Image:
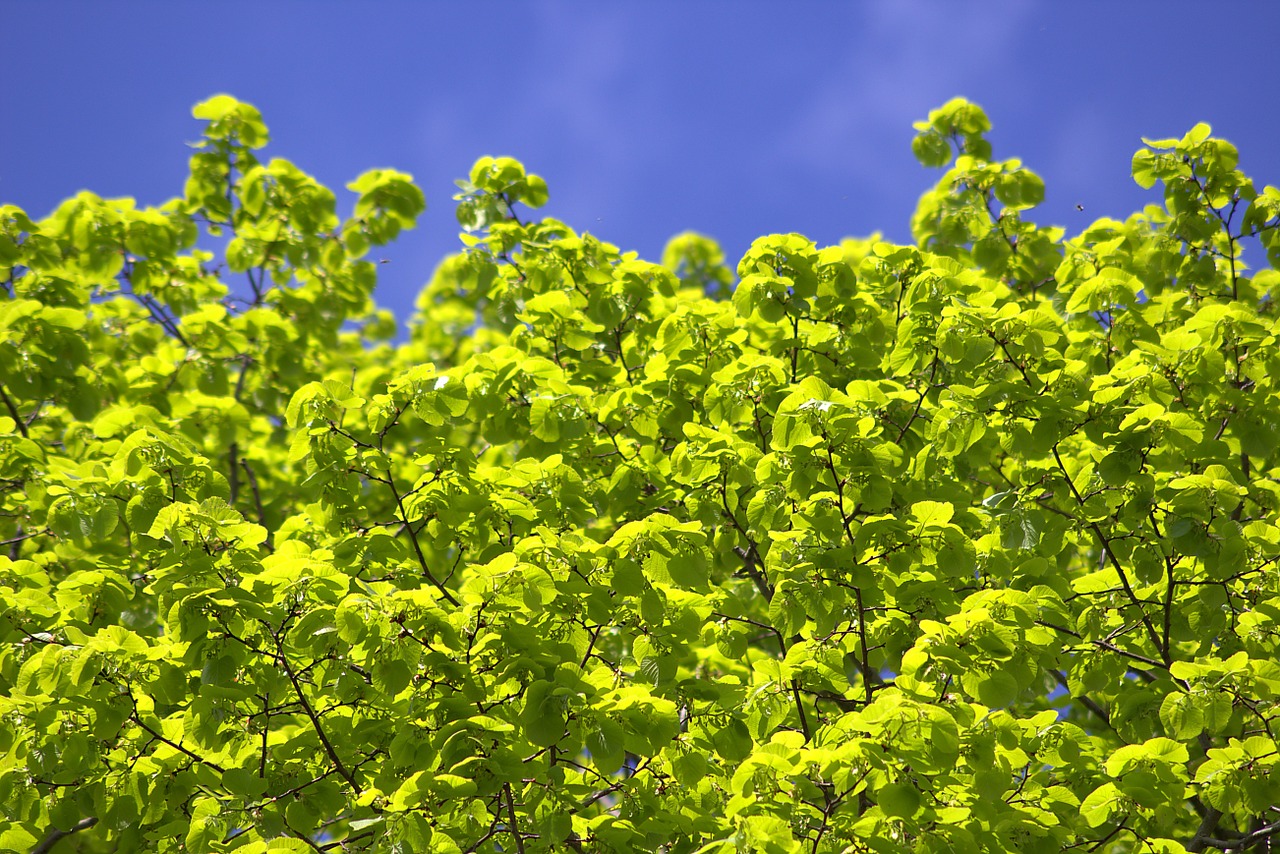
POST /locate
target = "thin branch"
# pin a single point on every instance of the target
(1115, 563)
(924, 392)
(1127, 654)
(511, 817)
(751, 562)
(845, 516)
(54, 836)
(167, 323)
(13, 411)
(413, 539)
(1247, 841)
(24, 535)
(175, 745)
(315, 722)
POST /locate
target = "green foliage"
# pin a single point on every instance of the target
(969, 545)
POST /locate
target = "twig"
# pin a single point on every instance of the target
(176, 745)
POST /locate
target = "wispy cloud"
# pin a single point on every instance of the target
(586, 94)
(907, 57)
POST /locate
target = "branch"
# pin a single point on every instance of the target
(413, 538)
(233, 465)
(22, 536)
(234, 450)
(865, 664)
(1207, 825)
(315, 722)
(857, 590)
(511, 817)
(804, 718)
(1086, 701)
(751, 561)
(137, 719)
(55, 835)
(1115, 563)
(933, 370)
(257, 500)
(1247, 841)
(13, 411)
(163, 319)
(1127, 654)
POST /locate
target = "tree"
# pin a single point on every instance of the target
(967, 545)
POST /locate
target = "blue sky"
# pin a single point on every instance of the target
(735, 119)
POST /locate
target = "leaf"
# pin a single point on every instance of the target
(732, 741)
(412, 792)
(217, 107)
(786, 613)
(17, 838)
(391, 676)
(931, 149)
(1143, 169)
(931, 514)
(288, 843)
(604, 743)
(543, 716)
(1181, 716)
(995, 690)
(899, 800)
(604, 554)
(1101, 804)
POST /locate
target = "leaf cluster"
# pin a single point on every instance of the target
(964, 545)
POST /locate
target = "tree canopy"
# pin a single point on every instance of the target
(968, 545)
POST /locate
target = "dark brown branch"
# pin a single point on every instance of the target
(751, 561)
(315, 722)
(1086, 701)
(257, 500)
(413, 539)
(511, 817)
(1207, 825)
(234, 450)
(1115, 563)
(54, 836)
(13, 411)
(804, 718)
(176, 745)
(233, 464)
(868, 680)
(1247, 841)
